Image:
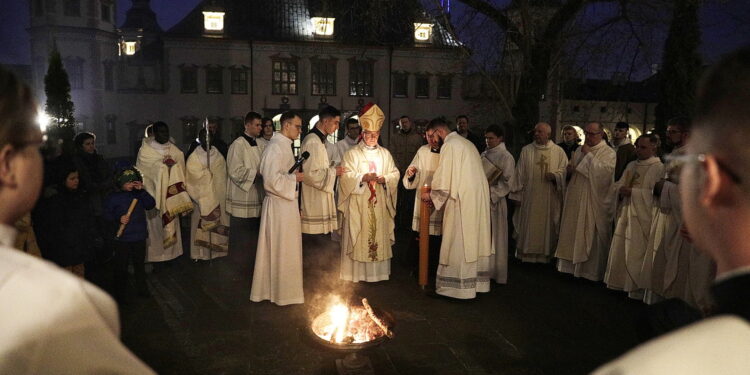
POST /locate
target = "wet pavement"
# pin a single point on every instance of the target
(199, 320)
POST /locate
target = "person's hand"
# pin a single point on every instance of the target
(411, 171)
(341, 170)
(427, 199)
(585, 149)
(299, 176)
(169, 161)
(380, 180)
(367, 177)
(549, 176)
(626, 191)
(124, 219)
(138, 185)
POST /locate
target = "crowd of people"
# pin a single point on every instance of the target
(655, 225)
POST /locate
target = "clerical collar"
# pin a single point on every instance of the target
(250, 140)
(369, 147)
(500, 146)
(7, 235)
(434, 151)
(320, 134)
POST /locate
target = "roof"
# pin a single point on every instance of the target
(140, 16)
(357, 21)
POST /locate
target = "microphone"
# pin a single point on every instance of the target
(299, 161)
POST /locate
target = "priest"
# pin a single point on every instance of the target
(278, 260)
(539, 187)
(163, 168)
(586, 225)
(636, 209)
(460, 187)
(206, 184)
(367, 200)
(499, 168)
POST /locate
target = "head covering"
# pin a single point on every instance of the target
(371, 118)
(129, 174)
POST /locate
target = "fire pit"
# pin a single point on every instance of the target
(350, 329)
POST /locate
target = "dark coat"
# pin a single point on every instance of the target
(95, 178)
(732, 296)
(569, 149)
(625, 154)
(65, 227)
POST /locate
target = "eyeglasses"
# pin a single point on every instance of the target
(676, 162)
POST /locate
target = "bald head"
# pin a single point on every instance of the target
(542, 133)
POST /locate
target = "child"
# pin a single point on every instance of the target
(132, 243)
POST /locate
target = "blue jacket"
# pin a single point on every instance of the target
(117, 204)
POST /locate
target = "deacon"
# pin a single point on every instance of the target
(318, 204)
(163, 167)
(636, 209)
(367, 199)
(499, 168)
(244, 184)
(278, 261)
(586, 225)
(206, 183)
(460, 188)
(539, 189)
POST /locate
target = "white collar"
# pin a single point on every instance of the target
(8, 235)
(500, 147)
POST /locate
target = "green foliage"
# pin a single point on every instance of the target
(59, 105)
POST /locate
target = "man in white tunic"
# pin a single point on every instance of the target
(586, 225)
(635, 211)
(367, 200)
(499, 167)
(353, 131)
(539, 188)
(318, 203)
(163, 168)
(278, 260)
(460, 187)
(244, 184)
(206, 183)
(267, 130)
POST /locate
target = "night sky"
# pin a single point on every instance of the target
(725, 27)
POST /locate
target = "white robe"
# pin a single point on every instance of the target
(244, 183)
(278, 261)
(586, 225)
(318, 203)
(208, 191)
(633, 225)
(367, 233)
(54, 322)
(340, 148)
(537, 219)
(426, 162)
(502, 160)
(155, 174)
(460, 187)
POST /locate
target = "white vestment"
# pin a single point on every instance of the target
(426, 162)
(340, 148)
(368, 210)
(537, 219)
(208, 189)
(460, 188)
(278, 259)
(244, 183)
(167, 186)
(713, 346)
(633, 225)
(502, 162)
(54, 322)
(586, 225)
(318, 203)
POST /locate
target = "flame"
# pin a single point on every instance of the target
(345, 324)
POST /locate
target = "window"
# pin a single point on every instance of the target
(72, 8)
(106, 13)
(74, 66)
(189, 129)
(400, 85)
(422, 86)
(111, 130)
(214, 80)
(360, 78)
(39, 8)
(109, 77)
(445, 87)
(324, 77)
(188, 80)
(284, 77)
(239, 80)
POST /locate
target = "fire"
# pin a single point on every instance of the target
(342, 324)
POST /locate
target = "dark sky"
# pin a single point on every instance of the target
(725, 24)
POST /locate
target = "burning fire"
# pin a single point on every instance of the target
(342, 324)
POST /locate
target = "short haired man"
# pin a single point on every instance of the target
(624, 149)
(462, 128)
(570, 141)
(404, 145)
(216, 141)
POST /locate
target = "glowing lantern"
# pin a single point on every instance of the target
(213, 21)
(423, 32)
(322, 26)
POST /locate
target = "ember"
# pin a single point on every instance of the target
(342, 324)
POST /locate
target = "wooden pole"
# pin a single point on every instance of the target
(130, 211)
(424, 238)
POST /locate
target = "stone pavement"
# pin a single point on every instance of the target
(200, 320)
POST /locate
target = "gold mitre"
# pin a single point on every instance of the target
(371, 118)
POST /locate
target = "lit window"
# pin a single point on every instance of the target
(322, 26)
(213, 21)
(284, 77)
(324, 77)
(423, 32)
